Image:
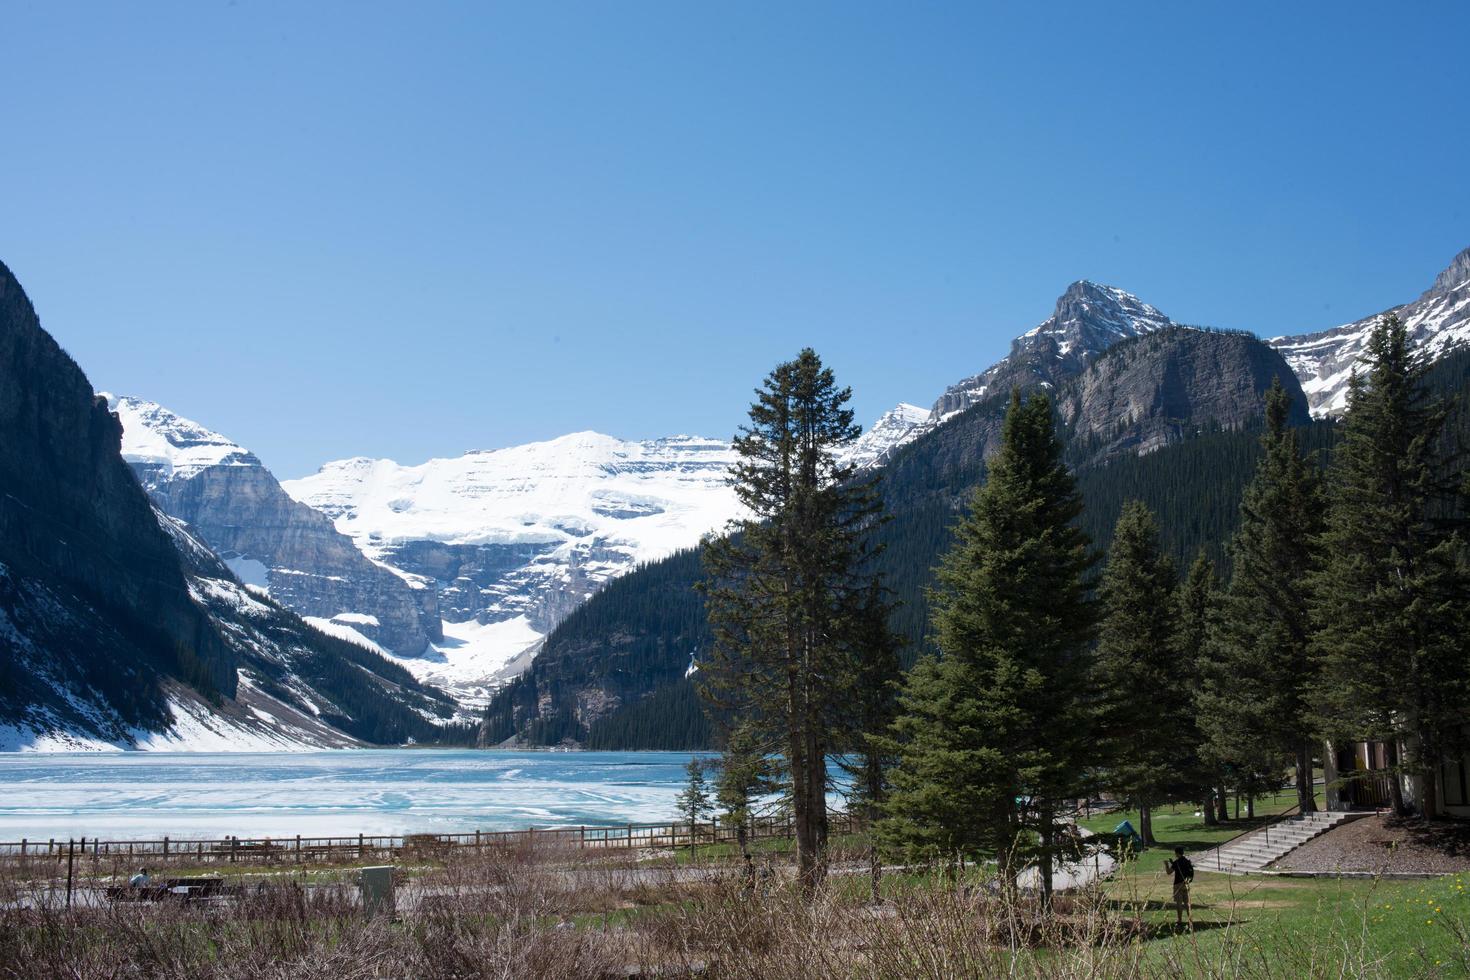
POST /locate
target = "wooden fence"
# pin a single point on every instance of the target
(297, 850)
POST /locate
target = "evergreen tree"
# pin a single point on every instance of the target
(693, 800)
(746, 774)
(873, 708)
(1256, 704)
(992, 734)
(1390, 599)
(1196, 603)
(1143, 723)
(785, 587)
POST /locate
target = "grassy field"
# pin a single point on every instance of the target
(1305, 927)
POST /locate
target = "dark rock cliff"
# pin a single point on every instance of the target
(74, 521)
(1155, 390)
(113, 619)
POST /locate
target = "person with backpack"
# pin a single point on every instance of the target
(1183, 871)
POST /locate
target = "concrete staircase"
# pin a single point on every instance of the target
(1256, 850)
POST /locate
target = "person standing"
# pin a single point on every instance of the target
(1183, 870)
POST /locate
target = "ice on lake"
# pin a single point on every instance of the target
(322, 794)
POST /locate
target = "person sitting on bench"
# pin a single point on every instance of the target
(140, 880)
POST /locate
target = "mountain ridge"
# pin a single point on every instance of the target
(1437, 322)
(117, 627)
(227, 496)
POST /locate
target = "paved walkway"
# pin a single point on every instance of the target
(1069, 877)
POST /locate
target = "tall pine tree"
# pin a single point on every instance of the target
(1144, 708)
(992, 736)
(873, 706)
(1257, 704)
(1196, 605)
(1390, 599)
(785, 588)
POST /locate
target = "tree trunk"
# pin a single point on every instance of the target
(1048, 839)
(1306, 788)
(1222, 799)
(1250, 806)
(1395, 780)
(1428, 767)
(1146, 824)
(873, 776)
(817, 805)
(800, 812)
(1208, 808)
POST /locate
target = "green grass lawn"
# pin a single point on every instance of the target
(1278, 926)
(1301, 926)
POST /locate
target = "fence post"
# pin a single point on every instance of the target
(359, 847)
(69, 849)
(165, 846)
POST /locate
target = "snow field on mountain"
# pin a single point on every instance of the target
(646, 498)
(178, 446)
(195, 729)
(468, 663)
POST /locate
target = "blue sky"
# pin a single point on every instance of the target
(411, 230)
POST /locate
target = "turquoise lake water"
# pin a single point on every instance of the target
(343, 793)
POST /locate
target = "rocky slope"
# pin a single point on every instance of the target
(1147, 393)
(223, 493)
(1438, 321)
(116, 627)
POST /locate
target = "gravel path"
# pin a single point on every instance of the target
(1384, 845)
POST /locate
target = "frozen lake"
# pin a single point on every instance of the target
(344, 793)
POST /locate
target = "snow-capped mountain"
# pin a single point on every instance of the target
(118, 627)
(894, 428)
(515, 539)
(1437, 321)
(1087, 320)
(227, 497)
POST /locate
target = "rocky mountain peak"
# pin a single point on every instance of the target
(1088, 319)
(162, 445)
(1091, 312)
(1456, 274)
(226, 496)
(894, 428)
